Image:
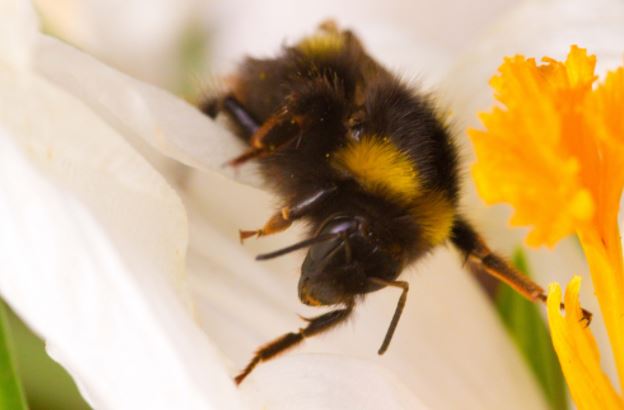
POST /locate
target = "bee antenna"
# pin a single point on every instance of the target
(299, 245)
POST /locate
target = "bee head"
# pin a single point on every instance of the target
(338, 268)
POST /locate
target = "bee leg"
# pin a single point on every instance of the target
(281, 220)
(315, 326)
(397, 312)
(240, 115)
(248, 127)
(479, 258)
(211, 107)
(243, 121)
(231, 107)
(276, 132)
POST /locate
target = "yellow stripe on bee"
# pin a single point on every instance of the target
(435, 215)
(379, 167)
(326, 42)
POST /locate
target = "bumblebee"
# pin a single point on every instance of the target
(366, 161)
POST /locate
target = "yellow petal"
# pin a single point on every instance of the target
(605, 177)
(578, 354)
(608, 282)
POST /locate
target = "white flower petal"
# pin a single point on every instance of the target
(18, 32)
(93, 255)
(141, 37)
(141, 111)
(327, 382)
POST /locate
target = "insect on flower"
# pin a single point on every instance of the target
(366, 161)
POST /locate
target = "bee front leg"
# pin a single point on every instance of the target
(315, 326)
(404, 286)
(282, 219)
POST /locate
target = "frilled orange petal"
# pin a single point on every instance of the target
(604, 116)
(578, 352)
(554, 150)
(522, 157)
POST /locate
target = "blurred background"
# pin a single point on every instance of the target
(178, 45)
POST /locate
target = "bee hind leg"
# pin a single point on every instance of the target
(480, 259)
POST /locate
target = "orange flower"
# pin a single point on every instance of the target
(554, 150)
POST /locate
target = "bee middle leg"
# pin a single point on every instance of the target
(263, 137)
(278, 131)
(282, 219)
(315, 326)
